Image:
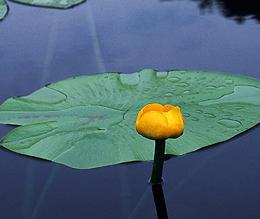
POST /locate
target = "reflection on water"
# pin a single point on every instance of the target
(159, 201)
(238, 10)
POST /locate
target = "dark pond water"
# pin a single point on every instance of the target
(38, 46)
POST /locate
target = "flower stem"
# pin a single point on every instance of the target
(158, 161)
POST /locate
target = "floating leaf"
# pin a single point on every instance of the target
(3, 9)
(89, 121)
(51, 3)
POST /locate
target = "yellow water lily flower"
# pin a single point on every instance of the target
(155, 121)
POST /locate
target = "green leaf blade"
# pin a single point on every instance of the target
(89, 121)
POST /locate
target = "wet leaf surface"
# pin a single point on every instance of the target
(89, 121)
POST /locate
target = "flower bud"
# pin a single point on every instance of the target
(156, 122)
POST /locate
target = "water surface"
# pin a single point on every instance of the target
(39, 46)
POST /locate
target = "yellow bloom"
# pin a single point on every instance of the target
(156, 122)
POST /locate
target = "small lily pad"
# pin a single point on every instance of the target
(51, 3)
(3, 9)
(89, 121)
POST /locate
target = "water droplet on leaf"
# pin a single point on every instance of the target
(186, 114)
(162, 74)
(168, 94)
(186, 92)
(194, 119)
(211, 87)
(229, 81)
(209, 115)
(230, 123)
(182, 84)
(173, 79)
(128, 79)
(199, 111)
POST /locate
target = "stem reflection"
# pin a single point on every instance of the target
(159, 201)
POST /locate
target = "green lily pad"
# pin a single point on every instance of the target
(3, 9)
(51, 3)
(89, 121)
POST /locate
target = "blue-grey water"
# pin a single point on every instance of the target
(39, 46)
